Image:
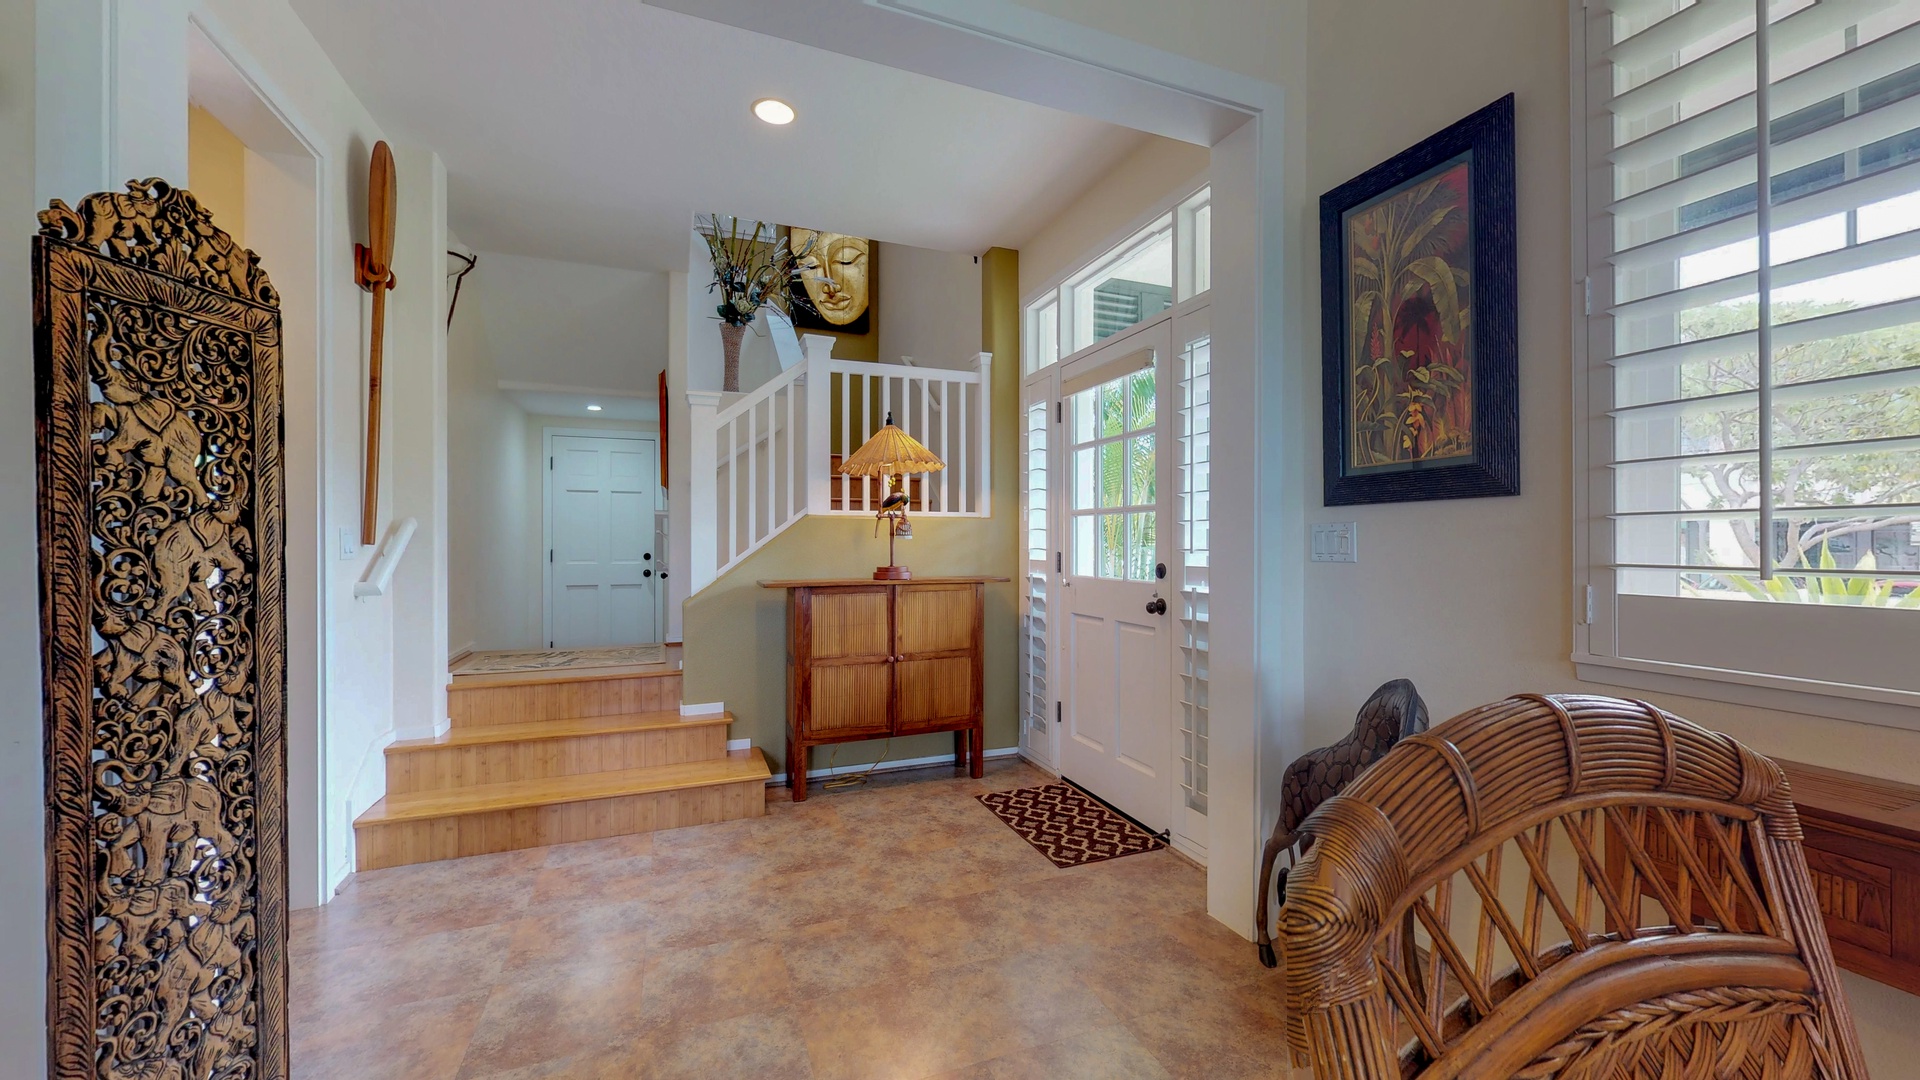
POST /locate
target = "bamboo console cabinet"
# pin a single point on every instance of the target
(869, 659)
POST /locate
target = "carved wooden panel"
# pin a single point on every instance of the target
(157, 364)
(1863, 857)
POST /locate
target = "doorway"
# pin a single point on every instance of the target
(601, 580)
(1117, 724)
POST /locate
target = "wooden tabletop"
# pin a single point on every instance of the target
(830, 583)
(1884, 807)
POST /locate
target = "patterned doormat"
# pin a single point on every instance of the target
(1067, 825)
(495, 663)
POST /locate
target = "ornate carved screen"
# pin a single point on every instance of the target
(157, 350)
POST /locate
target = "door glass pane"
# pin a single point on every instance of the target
(1114, 482)
(1113, 474)
(1113, 545)
(1141, 474)
(1083, 477)
(1113, 410)
(1140, 393)
(1140, 545)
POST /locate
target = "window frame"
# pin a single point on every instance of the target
(1179, 208)
(1597, 653)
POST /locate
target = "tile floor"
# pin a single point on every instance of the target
(896, 931)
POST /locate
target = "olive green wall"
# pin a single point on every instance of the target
(735, 631)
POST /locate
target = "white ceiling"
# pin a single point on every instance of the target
(592, 130)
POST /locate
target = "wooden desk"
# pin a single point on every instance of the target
(873, 659)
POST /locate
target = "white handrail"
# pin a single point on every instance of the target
(765, 459)
(380, 575)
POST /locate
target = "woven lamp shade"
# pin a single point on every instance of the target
(891, 452)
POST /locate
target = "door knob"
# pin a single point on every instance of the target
(646, 573)
(1156, 606)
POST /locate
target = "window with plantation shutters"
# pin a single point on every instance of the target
(1751, 336)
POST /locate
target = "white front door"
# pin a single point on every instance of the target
(1118, 733)
(601, 586)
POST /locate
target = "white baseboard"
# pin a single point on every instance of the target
(703, 708)
(460, 652)
(739, 744)
(1038, 764)
(778, 779)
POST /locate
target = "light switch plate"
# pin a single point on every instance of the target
(1336, 541)
(349, 544)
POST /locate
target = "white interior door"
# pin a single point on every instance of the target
(601, 584)
(1115, 645)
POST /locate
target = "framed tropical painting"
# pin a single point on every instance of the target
(1419, 306)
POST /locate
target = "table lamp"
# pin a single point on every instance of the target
(892, 453)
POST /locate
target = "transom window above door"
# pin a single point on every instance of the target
(1115, 487)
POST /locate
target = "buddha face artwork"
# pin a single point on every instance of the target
(835, 288)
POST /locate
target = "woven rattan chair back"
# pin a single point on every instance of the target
(1574, 888)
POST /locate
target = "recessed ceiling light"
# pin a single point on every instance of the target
(593, 408)
(773, 111)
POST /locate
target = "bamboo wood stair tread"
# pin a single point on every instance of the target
(574, 727)
(497, 680)
(737, 767)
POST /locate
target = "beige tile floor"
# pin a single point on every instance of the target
(896, 931)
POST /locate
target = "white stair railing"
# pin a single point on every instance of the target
(762, 461)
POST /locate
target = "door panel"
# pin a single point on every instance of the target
(934, 618)
(850, 698)
(1090, 662)
(603, 588)
(932, 693)
(850, 623)
(1117, 648)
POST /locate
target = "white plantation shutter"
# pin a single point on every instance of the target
(1752, 386)
(1036, 696)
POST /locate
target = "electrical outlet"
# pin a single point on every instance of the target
(1336, 541)
(349, 544)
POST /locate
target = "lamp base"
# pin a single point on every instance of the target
(892, 573)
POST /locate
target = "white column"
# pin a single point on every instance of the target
(415, 423)
(703, 502)
(819, 448)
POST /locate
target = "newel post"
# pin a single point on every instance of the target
(983, 363)
(819, 445)
(703, 488)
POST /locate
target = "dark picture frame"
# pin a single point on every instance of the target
(1419, 314)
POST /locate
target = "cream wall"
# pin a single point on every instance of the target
(735, 631)
(217, 162)
(23, 951)
(932, 306)
(487, 495)
(90, 133)
(1471, 599)
(572, 324)
(1140, 181)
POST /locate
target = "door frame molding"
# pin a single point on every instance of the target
(546, 512)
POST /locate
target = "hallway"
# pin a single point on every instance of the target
(897, 930)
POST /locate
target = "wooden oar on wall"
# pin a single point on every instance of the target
(373, 265)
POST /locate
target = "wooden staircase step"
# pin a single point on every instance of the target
(561, 696)
(430, 825)
(503, 753)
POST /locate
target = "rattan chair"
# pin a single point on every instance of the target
(1574, 888)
